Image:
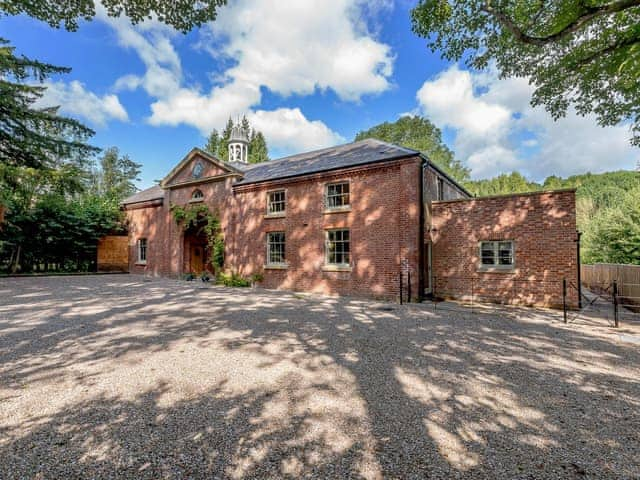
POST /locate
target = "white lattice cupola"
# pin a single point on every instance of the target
(238, 145)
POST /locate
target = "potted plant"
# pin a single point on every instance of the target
(256, 278)
(189, 276)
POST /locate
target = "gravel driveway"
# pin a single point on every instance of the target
(120, 377)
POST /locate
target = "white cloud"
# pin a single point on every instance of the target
(496, 129)
(289, 48)
(74, 99)
(288, 129)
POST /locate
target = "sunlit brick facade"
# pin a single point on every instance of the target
(349, 220)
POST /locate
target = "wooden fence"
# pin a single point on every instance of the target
(113, 254)
(601, 276)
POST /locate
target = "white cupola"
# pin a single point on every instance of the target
(238, 145)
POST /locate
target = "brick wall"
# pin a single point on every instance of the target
(383, 223)
(543, 227)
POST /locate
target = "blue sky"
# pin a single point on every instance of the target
(308, 75)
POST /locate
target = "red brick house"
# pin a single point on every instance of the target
(348, 219)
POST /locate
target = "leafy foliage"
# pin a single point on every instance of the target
(183, 15)
(575, 52)
(512, 182)
(115, 177)
(607, 208)
(233, 280)
(55, 218)
(422, 135)
(218, 143)
(31, 136)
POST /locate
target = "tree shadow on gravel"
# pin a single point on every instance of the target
(349, 390)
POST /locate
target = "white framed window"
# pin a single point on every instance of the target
(276, 242)
(337, 196)
(197, 196)
(497, 254)
(276, 202)
(142, 250)
(338, 247)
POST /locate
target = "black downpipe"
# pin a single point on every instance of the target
(421, 258)
(579, 268)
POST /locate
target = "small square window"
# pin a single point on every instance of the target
(337, 196)
(142, 250)
(275, 248)
(338, 247)
(276, 203)
(497, 254)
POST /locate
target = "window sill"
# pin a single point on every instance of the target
(496, 269)
(336, 268)
(196, 200)
(337, 210)
(141, 264)
(275, 215)
(276, 266)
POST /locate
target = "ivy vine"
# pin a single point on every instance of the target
(199, 214)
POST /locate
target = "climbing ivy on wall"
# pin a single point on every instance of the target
(194, 215)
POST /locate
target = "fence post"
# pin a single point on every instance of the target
(564, 299)
(472, 292)
(408, 286)
(433, 292)
(616, 322)
(400, 285)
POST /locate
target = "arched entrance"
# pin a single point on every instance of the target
(197, 257)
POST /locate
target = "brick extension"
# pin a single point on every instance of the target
(543, 228)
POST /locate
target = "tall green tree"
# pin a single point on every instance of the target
(613, 234)
(422, 135)
(245, 126)
(183, 15)
(258, 151)
(505, 183)
(223, 146)
(116, 176)
(575, 52)
(31, 136)
(213, 143)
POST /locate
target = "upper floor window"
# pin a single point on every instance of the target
(276, 202)
(142, 250)
(497, 254)
(275, 248)
(338, 247)
(197, 195)
(440, 189)
(337, 196)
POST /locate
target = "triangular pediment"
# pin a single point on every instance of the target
(198, 164)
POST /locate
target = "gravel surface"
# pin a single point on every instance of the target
(123, 377)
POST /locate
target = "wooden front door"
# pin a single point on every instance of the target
(197, 258)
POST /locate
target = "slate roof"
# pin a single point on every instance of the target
(342, 156)
(147, 195)
(333, 158)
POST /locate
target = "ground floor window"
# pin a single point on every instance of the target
(497, 254)
(338, 247)
(142, 250)
(275, 248)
